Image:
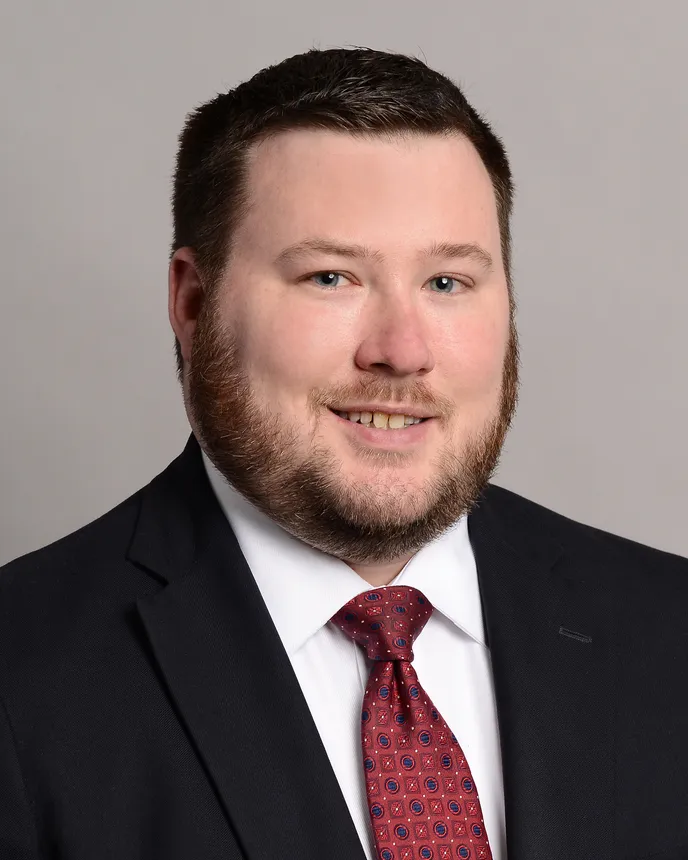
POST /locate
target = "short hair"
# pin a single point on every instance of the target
(359, 91)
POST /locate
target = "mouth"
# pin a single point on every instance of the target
(381, 420)
(384, 430)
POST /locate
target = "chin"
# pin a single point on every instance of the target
(386, 476)
(404, 497)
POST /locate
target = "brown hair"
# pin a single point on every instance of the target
(355, 90)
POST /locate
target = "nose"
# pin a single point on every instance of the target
(396, 341)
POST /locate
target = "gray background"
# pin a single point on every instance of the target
(590, 100)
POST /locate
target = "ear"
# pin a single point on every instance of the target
(185, 297)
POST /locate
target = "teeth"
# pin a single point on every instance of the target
(380, 420)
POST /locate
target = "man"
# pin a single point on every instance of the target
(321, 633)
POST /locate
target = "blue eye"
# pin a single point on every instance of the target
(446, 284)
(328, 279)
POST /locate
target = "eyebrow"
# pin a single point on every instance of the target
(443, 250)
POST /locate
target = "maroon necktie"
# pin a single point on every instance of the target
(422, 799)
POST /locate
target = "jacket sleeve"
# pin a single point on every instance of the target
(17, 828)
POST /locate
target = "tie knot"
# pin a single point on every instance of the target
(385, 621)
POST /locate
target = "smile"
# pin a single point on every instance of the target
(399, 436)
(380, 420)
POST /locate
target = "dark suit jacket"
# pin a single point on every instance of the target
(149, 710)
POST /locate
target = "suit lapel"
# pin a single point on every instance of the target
(230, 678)
(554, 691)
(235, 690)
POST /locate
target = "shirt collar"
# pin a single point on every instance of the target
(303, 587)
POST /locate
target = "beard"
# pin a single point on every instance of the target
(376, 521)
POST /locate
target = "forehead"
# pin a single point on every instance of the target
(385, 192)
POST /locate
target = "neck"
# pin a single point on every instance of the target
(380, 574)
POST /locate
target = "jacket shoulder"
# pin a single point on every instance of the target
(60, 587)
(65, 607)
(88, 545)
(531, 518)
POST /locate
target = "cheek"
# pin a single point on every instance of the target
(476, 359)
(292, 353)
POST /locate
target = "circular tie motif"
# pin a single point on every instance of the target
(422, 799)
(392, 786)
(431, 784)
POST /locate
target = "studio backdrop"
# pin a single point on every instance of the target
(590, 99)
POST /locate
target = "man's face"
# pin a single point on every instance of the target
(366, 277)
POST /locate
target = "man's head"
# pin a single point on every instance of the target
(342, 246)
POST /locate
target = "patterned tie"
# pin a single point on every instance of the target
(422, 799)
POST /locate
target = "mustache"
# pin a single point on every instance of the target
(418, 394)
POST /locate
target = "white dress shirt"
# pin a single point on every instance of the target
(451, 658)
